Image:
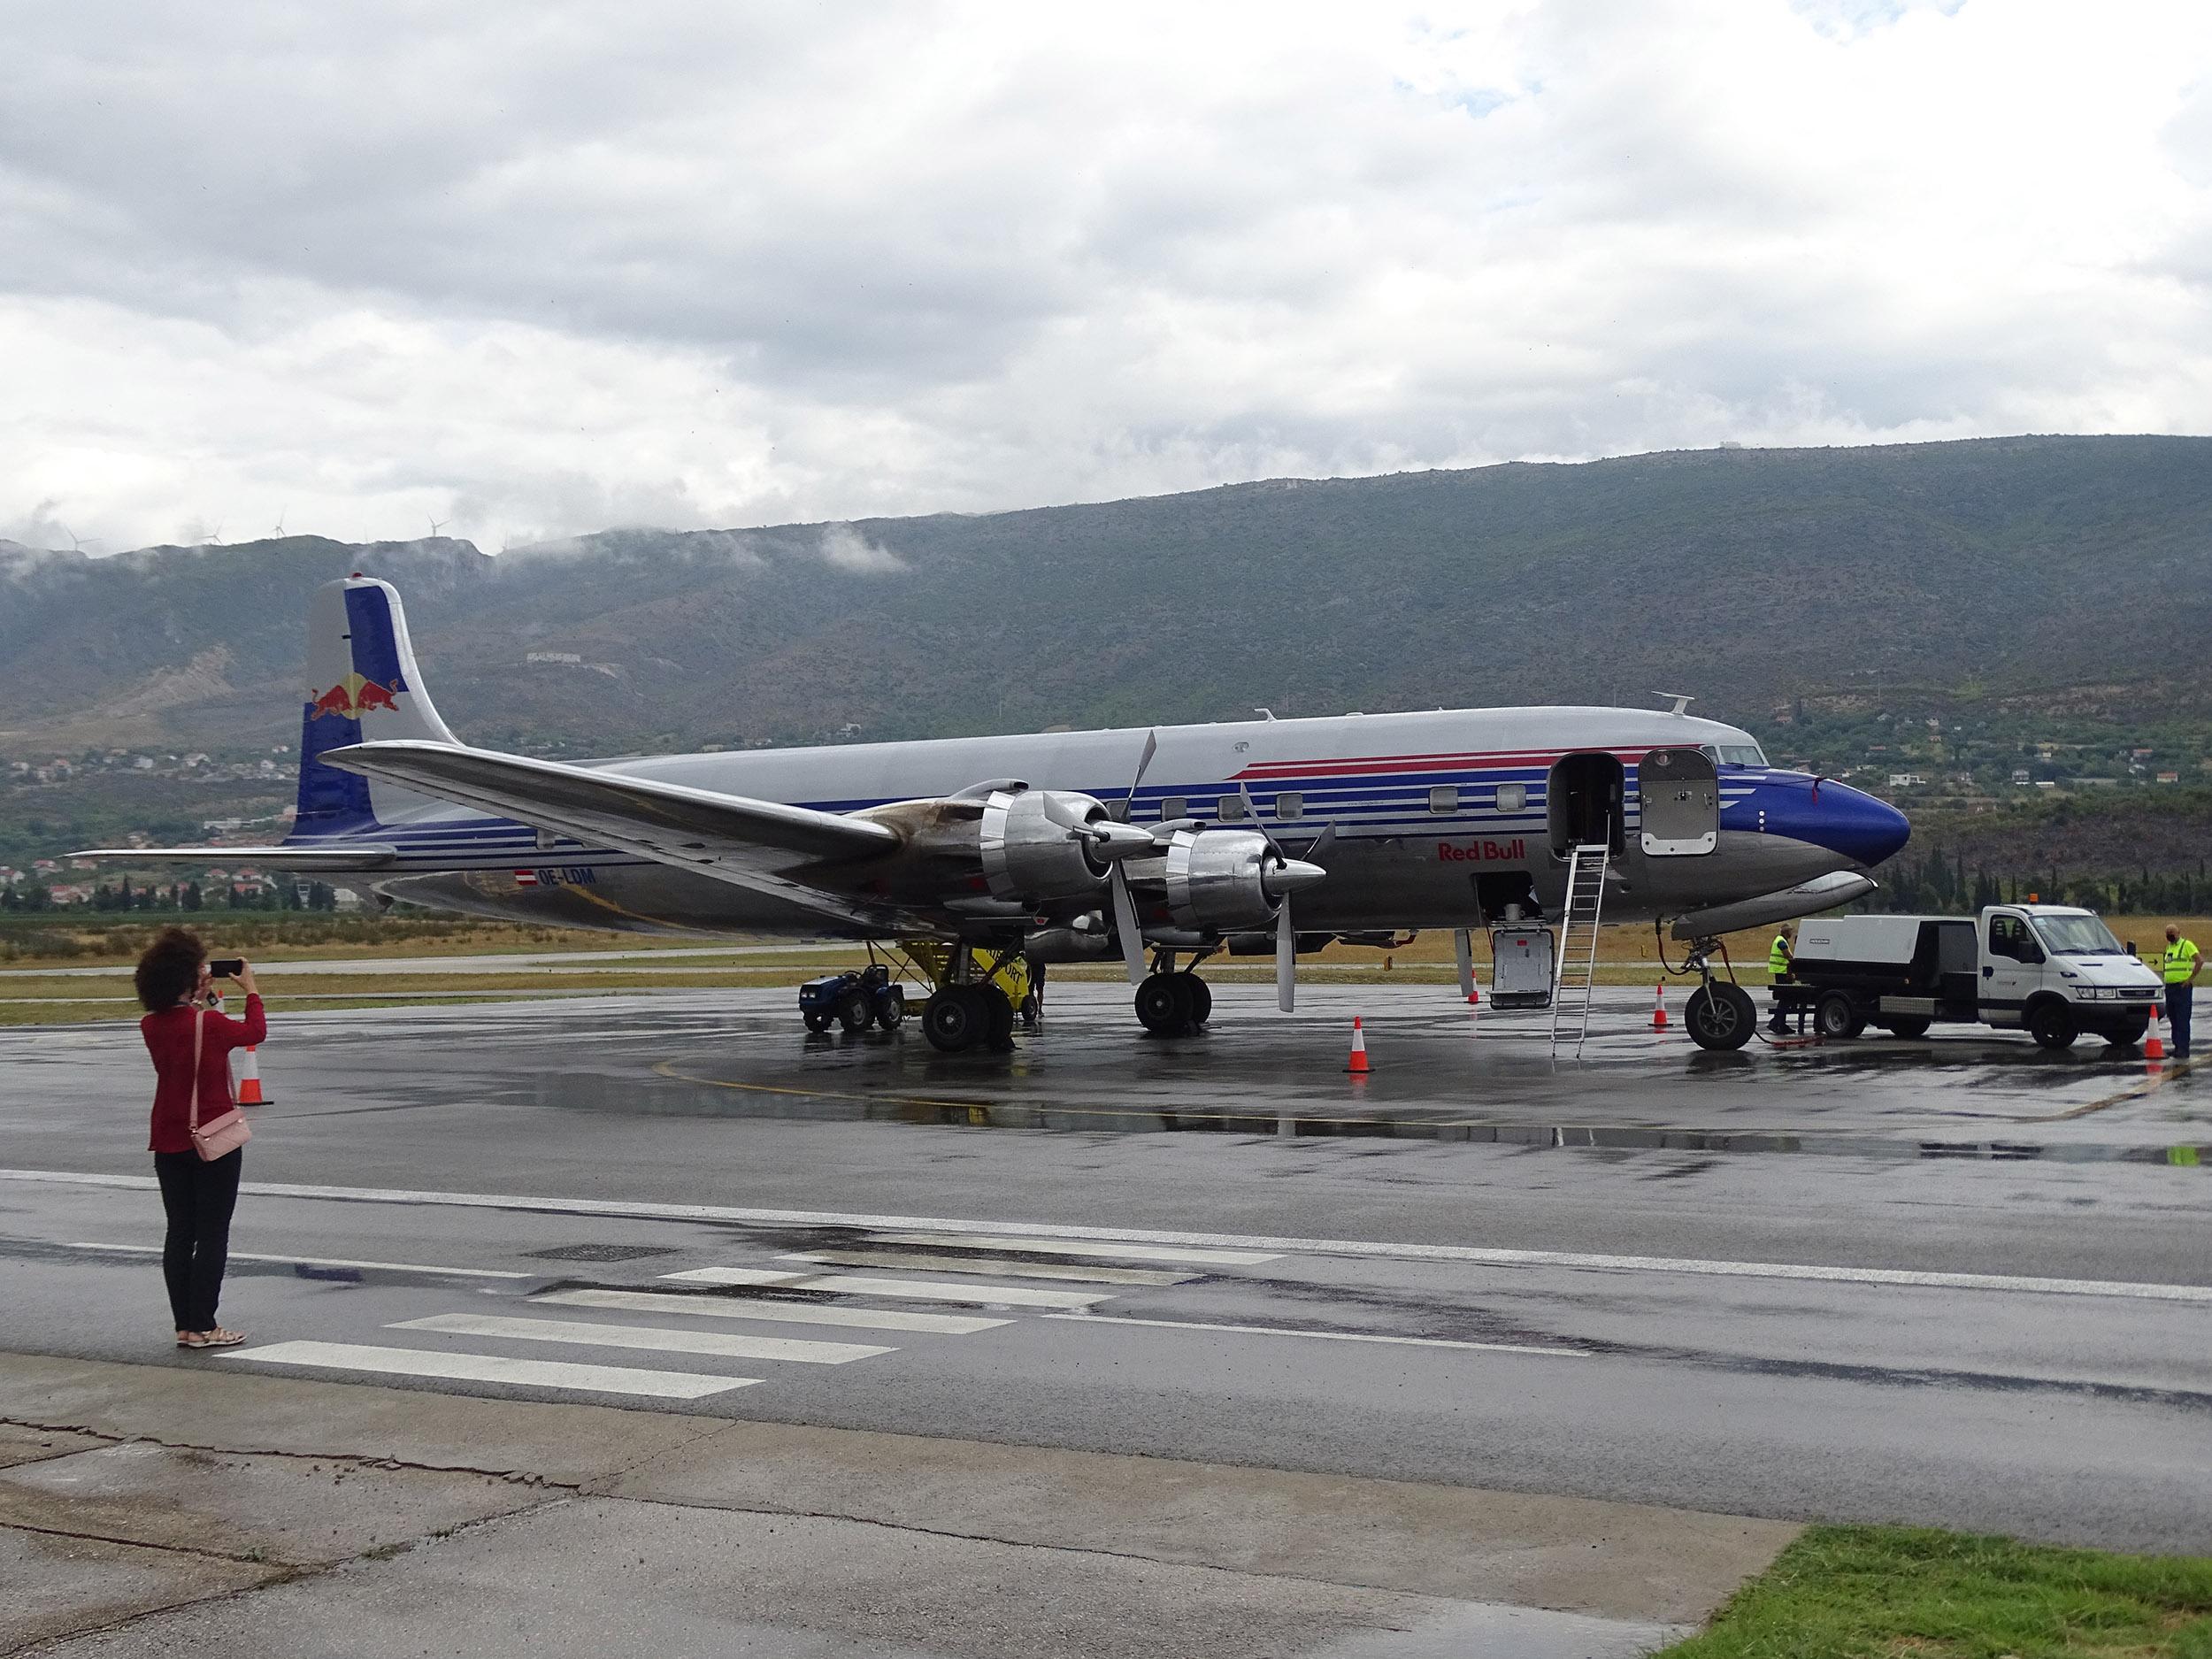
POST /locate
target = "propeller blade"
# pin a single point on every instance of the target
(1061, 810)
(1286, 960)
(1144, 764)
(1125, 925)
(1252, 817)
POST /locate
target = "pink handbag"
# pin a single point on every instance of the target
(219, 1137)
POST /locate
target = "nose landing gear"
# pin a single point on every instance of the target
(1720, 1015)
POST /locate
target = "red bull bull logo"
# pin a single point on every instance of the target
(353, 697)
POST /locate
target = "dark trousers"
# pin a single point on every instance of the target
(2178, 1000)
(199, 1197)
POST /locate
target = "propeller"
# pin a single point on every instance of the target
(1126, 927)
(1286, 878)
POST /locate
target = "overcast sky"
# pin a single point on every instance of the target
(533, 269)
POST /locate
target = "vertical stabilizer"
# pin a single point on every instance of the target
(362, 686)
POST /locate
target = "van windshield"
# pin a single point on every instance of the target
(2077, 936)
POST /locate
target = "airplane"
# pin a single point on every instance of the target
(1181, 840)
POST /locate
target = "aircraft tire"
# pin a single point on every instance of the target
(1001, 1019)
(953, 1020)
(1201, 996)
(1720, 1016)
(1162, 1006)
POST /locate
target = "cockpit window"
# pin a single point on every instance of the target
(1741, 755)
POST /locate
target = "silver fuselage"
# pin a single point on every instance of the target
(1421, 834)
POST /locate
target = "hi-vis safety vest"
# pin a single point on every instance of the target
(1778, 957)
(2181, 961)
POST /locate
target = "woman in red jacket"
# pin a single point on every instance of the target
(198, 1194)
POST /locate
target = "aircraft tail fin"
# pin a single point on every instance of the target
(362, 686)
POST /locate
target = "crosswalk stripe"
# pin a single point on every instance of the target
(491, 1368)
(783, 1312)
(914, 1289)
(1547, 1352)
(928, 1290)
(995, 1266)
(738, 1276)
(1063, 1247)
(721, 1344)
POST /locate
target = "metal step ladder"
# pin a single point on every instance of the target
(1574, 970)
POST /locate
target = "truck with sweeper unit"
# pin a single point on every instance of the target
(2050, 970)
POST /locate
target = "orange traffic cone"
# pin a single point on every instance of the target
(249, 1083)
(1357, 1066)
(1474, 996)
(1659, 1009)
(2153, 1045)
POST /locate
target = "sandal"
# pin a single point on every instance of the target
(188, 1339)
(220, 1338)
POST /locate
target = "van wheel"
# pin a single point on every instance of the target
(2051, 1025)
(2129, 1035)
(1837, 1016)
(1908, 1026)
(1720, 1016)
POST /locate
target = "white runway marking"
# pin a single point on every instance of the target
(1326, 1336)
(1474, 1255)
(531, 1373)
(928, 1290)
(995, 1266)
(721, 1344)
(1063, 1247)
(328, 1261)
(782, 1312)
(924, 1290)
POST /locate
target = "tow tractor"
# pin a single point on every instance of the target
(971, 1002)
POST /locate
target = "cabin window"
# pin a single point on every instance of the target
(1231, 807)
(1290, 806)
(1173, 807)
(1512, 797)
(1444, 799)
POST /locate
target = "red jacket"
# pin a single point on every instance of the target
(169, 1040)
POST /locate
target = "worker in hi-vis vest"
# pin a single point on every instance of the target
(1778, 957)
(2179, 971)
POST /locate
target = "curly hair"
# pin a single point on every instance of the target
(170, 969)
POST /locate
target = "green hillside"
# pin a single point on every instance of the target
(1833, 600)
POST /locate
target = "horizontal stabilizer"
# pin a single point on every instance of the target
(337, 856)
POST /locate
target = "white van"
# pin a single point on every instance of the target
(2052, 970)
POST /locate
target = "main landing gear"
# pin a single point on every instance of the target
(959, 1017)
(1171, 1003)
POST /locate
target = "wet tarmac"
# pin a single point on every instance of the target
(1958, 1281)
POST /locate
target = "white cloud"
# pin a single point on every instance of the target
(540, 270)
(848, 549)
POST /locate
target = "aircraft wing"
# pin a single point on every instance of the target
(303, 856)
(746, 842)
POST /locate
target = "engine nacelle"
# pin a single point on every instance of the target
(1028, 856)
(1218, 878)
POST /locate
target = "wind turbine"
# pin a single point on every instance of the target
(78, 543)
(437, 524)
(279, 531)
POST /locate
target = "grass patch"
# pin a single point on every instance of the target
(1914, 1593)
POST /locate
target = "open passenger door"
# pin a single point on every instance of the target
(1677, 794)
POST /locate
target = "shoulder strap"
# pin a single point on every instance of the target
(199, 1028)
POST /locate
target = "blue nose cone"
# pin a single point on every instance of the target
(1854, 824)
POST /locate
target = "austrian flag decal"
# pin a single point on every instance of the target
(525, 878)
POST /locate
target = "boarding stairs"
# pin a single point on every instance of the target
(1575, 969)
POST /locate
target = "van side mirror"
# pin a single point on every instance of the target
(2130, 946)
